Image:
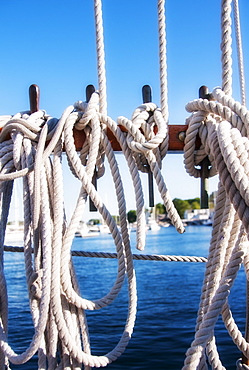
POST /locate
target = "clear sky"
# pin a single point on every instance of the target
(52, 43)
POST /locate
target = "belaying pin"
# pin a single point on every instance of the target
(147, 98)
(90, 89)
(204, 94)
(34, 98)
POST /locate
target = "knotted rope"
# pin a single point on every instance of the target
(224, 138)
(56, 304)
(222, 125)
(31, 147)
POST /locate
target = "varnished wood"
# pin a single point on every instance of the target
(175, 131)
(175, 144)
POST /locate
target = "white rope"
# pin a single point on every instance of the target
(47, 275)
(224, 137)
(239, 51)
(35, 167)
(226, 46)
(34, 152)
(163, 72)
(142, 257)
(139, 143)
(222, 126)
(100, 55)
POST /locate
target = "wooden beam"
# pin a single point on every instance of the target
(176, 132)
(176, 138)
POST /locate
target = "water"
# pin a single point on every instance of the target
(168, 297)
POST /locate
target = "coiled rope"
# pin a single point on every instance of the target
(31, 147)
(222, 125)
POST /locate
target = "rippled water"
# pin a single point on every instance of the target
(168, 297)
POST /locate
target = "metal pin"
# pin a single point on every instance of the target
(90, 89)
(182, 136)
(147, 98)
(34, 98)
(203, 94)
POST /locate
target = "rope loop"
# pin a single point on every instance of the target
(222, 127)
(31, 148)
(206, 117)
(146, 131)
(34, 152)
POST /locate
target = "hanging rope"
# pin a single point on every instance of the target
(31, 147)
(57, 305)
(46, 229)
(222, 125)
(100, 56)
(239, 51)
(163, 72)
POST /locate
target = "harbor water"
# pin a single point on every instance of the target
(168, 298)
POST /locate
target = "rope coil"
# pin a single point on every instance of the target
(46, 235)
(31, 147)
(222, 125)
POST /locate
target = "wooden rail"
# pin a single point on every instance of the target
(176, 138)
(176, 132)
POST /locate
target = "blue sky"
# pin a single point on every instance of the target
(52, 43)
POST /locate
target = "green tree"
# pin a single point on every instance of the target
(132, 216)
(160, 209)
(194, 203)
(181, 206)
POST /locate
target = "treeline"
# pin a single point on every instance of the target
(181, 206)
(187, 204)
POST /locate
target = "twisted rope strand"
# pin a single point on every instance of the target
(56, 304)
(239, 52)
